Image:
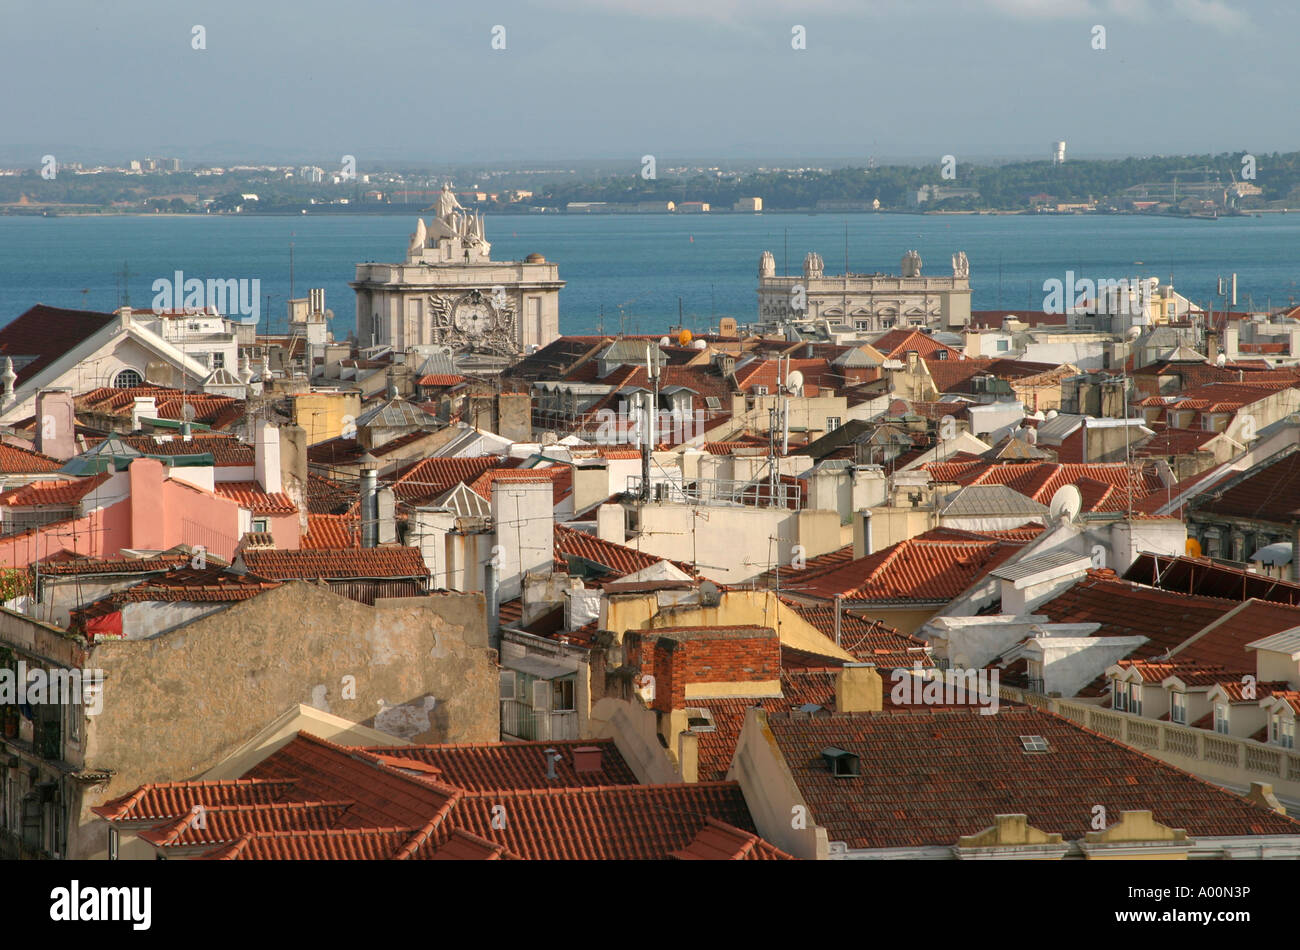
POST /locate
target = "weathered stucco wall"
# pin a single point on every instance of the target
(177, 704)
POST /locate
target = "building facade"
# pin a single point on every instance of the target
(449, 291)
(866, 302)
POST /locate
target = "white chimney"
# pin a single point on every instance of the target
(266, 456)
(142, 407)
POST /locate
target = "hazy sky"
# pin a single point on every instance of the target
(401, 79)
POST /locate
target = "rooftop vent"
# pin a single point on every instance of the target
(587, 758)
(552, 757)
(841, 762)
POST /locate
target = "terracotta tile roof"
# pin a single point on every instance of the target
(326, 532)
(222, 824)
(169, 800)
(719, 841)
(399, 812)
(560, 477)
(252, 496)
(341, 844)
(429, 478)
(47, 333)
(1040, 480)
(440, 379)
(328, 496)
(19, 461)
(627, 822)
(1269, 493)
(336, 451)
(379, 562)
(870, 641)
(112, 565)
(226, 450)
(936, 775)
(923, 569)
(895, 345)
(61, 492)
(619, 558)
(1125, 609)
(509, 765)
(816, 372)
(1224, 643)
(1171, 442)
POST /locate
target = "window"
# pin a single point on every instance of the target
(941, 355)
(259, 524)
(760, 390)
(832, 423)
(1274, 730)
(1287, 739)
(507, 684)
(1221, 719)
(1004, 345)
(562, 695)
(1119, 695)
(218, 360)
(128, 379)
(1135, 699)
(1033, 743)
(1178, 708)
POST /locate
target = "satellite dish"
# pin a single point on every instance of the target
(188, 413)
(794, 382)
(1066, 504)
(329, 314)
(1133, 333)
(1051, 414)
(699, 344)
(710, 596)
(1031, 436)
(1220, 360)
(664, 341)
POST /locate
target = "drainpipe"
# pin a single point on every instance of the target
(492, 593)
(839, 606)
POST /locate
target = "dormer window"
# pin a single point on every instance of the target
(1178, 708)
(1119, 695)
(1287, 738)
(841, 762)
(1221, 719)
(1135, 699)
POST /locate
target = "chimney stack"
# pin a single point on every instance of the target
(369, 507)
(858, 688)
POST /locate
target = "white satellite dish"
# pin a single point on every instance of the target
(1031, 436)
(188, 413)
(1221, 360)
(1133, 333)
(1051, 414)
(664, 341)
(1066, 504)
(699, 344)
(794, 382)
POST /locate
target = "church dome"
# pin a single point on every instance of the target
(534, 258)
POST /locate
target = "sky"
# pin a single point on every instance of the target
(410, 80)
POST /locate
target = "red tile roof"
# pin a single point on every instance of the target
(168, 800)
(895, 345)
(112, 565)
(440, 379)
(1268, 493)
(61, 493)
(325, 532)
(19, 461)
(1040, 480)
(929, 568)
(47, 333)
(252, 496)
(719, 841)
(560, 477)
(619, 558)
(487, 766)
(429, 478)
(379, 562)
(931, 776)
(1125, 609)
(1223, 643)
(226, 450)
(870, 641)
